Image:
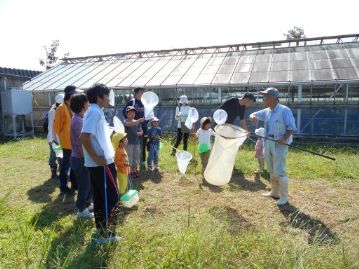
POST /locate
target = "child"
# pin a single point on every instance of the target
(79, 104)
(134, 133)
(260, 149)
(99, 158)
(154, 136)
(119, 142)
(204, 134)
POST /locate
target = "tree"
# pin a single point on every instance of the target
(295, 33)
(51, 57)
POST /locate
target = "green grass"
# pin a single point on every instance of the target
(182, 224)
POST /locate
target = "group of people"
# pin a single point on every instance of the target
(99, 163)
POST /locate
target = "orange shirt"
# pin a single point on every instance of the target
(121, 161)
(62, 125)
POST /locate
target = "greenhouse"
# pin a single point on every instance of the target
(317, 77)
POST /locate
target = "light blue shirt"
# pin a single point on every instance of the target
(277, 121)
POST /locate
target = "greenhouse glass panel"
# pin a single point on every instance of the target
(259, 77)
(345, 73)
(353, 52)
(85, 73)
(246, 59)
(320, 64)
(322, 74)
(113, 72)
(341, 63)
(317, 55)
(138, 72)
(96, 73)
(299, 56)
(231, 60)
(226, 69)
(222, 78)
(337, 53)
(126, 72)
(240, 78)
(298, 65)
(263, 58)
(278, 66)
(59, 76)
(210, 69)
(243, 68)
(279, 76)
(281, 57)
(182, 68)
(172, 80)
(299, 75)
(261, 66)
(188, 79)
(356, 62)
(41, 78)
(150, 73)
(204, 79)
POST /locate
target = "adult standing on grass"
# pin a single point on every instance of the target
(99, 155)
(79, 105)
(51, 135)
(140, 113)
(62, 125)
(236, 107)
(279, 125)
(181, 114)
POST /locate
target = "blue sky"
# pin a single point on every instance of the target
(111, 26)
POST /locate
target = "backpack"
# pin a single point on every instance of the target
(45, 124)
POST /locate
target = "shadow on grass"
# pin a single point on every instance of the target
(42, 193)
(318, 232)
(62, 206)
(66, 250)
(236, 222)
(239, 181)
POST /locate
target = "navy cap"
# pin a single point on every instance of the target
(129, 108)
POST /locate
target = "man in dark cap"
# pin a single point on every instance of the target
(236, 107)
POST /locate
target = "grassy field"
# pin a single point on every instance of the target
(181, 223)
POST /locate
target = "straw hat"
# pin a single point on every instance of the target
(116, 139)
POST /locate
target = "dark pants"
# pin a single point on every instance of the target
(82, 174)
(65, 166)
(144, 142)
(98, 187)
(181, 135)
(52, 157)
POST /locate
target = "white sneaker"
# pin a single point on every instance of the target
(90, 208)
(270, 194)
(86, 214)
(281, 201)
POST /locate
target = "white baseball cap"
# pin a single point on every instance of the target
(59, 98)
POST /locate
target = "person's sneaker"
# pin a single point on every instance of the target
(149, 168)
(259, 171)
(90, 208)
(270, 194)
(155, 169)
(85, 214)
(106, 240)
(281, 201)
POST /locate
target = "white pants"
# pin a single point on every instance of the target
(275, 156)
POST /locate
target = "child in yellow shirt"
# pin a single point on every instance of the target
(119, 142)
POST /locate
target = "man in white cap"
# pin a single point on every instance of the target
(51, 136)
(279, 125)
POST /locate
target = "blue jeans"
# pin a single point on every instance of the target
(65, 166)
(153, 155)
(82, 174)
(52, 157)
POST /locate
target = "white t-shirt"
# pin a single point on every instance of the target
(204, 136)
(182, 114)
(51, 135)
(96, 125)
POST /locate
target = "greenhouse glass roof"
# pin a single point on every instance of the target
(310, 60)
